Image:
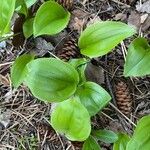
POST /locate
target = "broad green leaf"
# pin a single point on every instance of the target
(91, 144)
(80, 66)
(21, 7)
(18, 71)
(122, 141)
(51, 18)
(141, 137)
(93, 97)
(71, 118)
(51, 80)
(106, 136)
(6, 11)
(28, 27)
(138, 58)
(100, 38)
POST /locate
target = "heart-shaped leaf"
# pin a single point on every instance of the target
(51, 80)
(71, 118)
(106, 136)
(141, 136)
(93, 97)
(6, 9)
(18, 70)
(122, 141)
(91, 144)
(51, 18)
(138, 58)
(100, 38)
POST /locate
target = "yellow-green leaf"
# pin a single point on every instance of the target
(51, 18)
(71, 118)
(100, 38)
(50, 79)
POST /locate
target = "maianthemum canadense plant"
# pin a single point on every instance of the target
(64, 83)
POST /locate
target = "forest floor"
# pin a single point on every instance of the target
(24, 119)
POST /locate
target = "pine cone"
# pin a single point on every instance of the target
(69, 50)
(66, 3)
(123, 98)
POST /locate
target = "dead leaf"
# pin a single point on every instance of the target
(145, 7)
(135, 19)
(95, 74)
(120, 16)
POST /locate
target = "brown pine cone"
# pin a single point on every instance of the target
(69, 50)
(66, 3)
(123, 98)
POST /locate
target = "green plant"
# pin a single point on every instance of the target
(140, 139)
(53, 80)
(56, 17)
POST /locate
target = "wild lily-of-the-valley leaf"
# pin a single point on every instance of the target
(28, 27)
(122, 141)
(91, 144)
(138, 58)
(51, 79)
(6, 11)
(51, 18)
(71, 118)
(141, 137)
(100, 38)
(105, 136)
(93, 97)
(18, 70)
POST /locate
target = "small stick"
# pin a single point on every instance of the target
(120, 3)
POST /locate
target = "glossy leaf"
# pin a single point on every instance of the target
(6, 9)
(106, 136)
(138, 58)
(93, 97)
(18, 70)
(122, 142)
(141, 137)
(28, 27)
(51, 18)
(91, 144)
(71, 118)
(51, 80)
(100, 38)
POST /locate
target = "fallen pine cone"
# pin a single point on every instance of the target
(123, 98)
(69, 50)
(66, 3)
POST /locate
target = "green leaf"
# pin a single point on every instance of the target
(80, 66)
(71, 118)
(21, 7)
(51, 18)
(91, 144)
(93, 97)
(28, 27)
(51, 80)
(29, 3)
(18, 70)
(122, 142)
(106, 136)
(6, 11)
(100, 38)
(141, 136)
(138, 58)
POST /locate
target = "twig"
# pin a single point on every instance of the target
(120, 3)
(5, 64)
(112, 105)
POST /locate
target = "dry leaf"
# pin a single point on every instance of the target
(134, 19)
